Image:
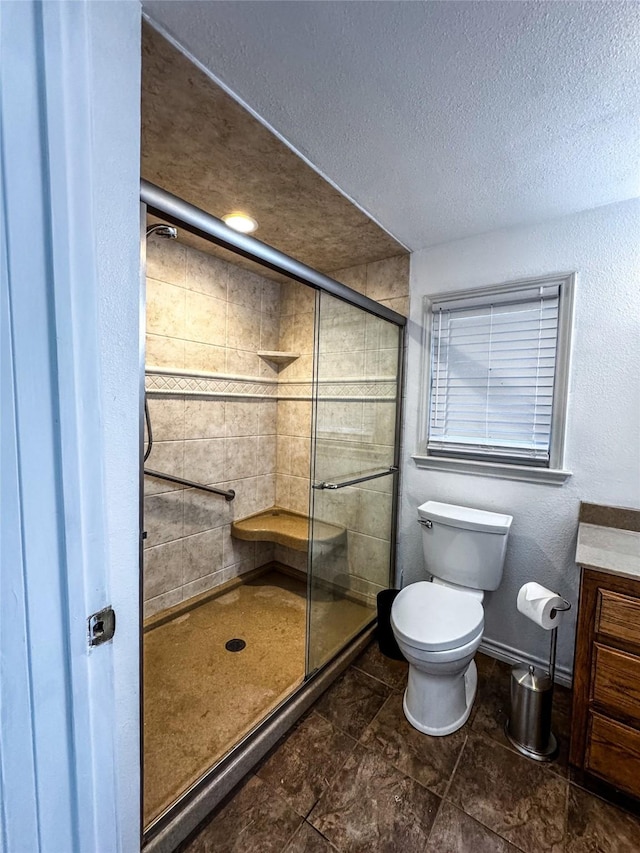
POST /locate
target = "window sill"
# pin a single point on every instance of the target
(549, 476)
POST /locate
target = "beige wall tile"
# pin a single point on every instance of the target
(299, 494)
(166, 457)
(374, 514)
(204, 460)
(166, 260)
(204, 584)
(269, 331)
(381, 363)
(207, 274)
(264, 553)
(164, 352)
(300, 456)
(163, 518)
(241, 454)
(204, 418)
(388, 279)
(303, 339)
(165, 309)
(369, 558)
(244, 503)
(267, 417)
(400, 305)
(270, 297)
(242, 417)
(236, 550)
(199, 356)
(162, 602)
(202, 554)
(287, 333)
(294, 417)
(290, 557)
(341, 365)
(384, 422)
(266, 462)
(203, 511)
(206, 319)
(283, 454)
(380, 334)
(167, 417)
(282, 490)
(354, 277)
(241, 568)
(337, 507)
(163, 569)
(245, 288)
(242, 363)
(243, 327)
(265, 491)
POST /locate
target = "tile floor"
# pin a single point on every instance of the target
(353, 776)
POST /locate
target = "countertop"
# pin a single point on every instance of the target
(608, 549)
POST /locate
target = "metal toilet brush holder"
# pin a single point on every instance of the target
(529, 725)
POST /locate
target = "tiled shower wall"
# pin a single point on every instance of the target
(206, 315)
(353, 435)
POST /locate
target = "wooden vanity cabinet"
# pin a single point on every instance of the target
(605, 737)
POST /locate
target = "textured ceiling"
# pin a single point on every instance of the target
(441, 119)
(201, 145)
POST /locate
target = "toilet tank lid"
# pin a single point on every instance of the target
(465, 517)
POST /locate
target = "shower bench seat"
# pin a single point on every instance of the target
(285, 527)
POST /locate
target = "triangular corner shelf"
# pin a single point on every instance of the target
(279, 358)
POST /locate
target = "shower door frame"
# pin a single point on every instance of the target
(175, 823)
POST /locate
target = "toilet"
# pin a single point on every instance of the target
(438, 624)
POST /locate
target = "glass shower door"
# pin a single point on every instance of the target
(354, 474)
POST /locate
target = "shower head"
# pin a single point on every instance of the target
(163, 231)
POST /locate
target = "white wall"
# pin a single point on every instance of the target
(603, 431)
(115, 162)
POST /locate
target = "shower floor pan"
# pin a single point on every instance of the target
(201, 699)
(288, 528)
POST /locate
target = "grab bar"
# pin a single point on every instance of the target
(227, 495)
(391, 470)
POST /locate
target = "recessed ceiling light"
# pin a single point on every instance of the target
(240, 222)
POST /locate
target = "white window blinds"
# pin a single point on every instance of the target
(493, 364)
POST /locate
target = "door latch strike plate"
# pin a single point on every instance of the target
(102, 626)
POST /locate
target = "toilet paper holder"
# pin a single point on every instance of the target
(529, 725)
(566, 605)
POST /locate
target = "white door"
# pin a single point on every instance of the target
(69, 425)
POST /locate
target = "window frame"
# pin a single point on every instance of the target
(554, 473)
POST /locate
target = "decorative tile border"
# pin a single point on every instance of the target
(169, 381)
(202, 384)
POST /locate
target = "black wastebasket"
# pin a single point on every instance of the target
(386, 640)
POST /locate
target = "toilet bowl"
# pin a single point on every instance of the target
(438, 630)
(438, 624)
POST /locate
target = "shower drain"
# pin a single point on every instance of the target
(235, 645)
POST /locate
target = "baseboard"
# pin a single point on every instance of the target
(509, 654)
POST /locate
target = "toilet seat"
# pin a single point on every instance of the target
(435, 618)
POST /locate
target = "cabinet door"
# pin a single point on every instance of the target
(615, 684)
(613, 753)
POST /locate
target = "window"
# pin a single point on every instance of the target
(496, 379)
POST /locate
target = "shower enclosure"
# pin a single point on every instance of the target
(233, 647)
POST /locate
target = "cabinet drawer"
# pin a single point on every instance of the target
(615, 681)
(613, 753)
(618, 616)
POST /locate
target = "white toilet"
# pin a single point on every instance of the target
(438, 625)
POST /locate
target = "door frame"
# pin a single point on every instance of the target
(69, 261)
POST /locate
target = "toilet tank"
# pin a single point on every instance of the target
(464, 546)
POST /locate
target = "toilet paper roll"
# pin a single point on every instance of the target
(540, 604)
